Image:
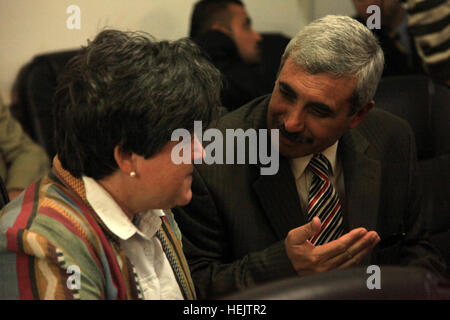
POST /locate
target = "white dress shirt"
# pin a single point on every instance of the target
(139, 242)
(303, 175)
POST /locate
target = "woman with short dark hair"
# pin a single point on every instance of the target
(99, 226)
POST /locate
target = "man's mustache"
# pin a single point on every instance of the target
(292, 136)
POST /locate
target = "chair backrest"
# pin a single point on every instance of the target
(440, 120)
(4, 198)
(435, 178)
(386, 283)
(410, 98)
(33, 97)
(426, 106)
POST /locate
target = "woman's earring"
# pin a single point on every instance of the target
(132, 174)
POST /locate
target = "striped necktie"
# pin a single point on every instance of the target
(323, 201)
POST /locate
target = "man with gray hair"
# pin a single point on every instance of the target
(345, 193)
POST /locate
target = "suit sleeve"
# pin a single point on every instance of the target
(207, 248)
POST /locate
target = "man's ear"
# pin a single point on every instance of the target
(125, 160)
(360, 114)
(220, 27)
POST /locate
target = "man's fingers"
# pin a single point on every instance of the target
(301, 234)
(356, 253)
(337, 247)
(315, 224)
(345, 251)
(368, 241)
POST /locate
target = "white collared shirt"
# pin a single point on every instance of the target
(303, 176)
(140, 244)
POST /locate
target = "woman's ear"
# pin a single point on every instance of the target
(125, 160)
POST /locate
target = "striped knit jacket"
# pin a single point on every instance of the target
(54, 246)
(429, 23)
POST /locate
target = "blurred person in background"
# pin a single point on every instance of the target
(395, 39)
(247, 60)
(21, 160)
(429, 25)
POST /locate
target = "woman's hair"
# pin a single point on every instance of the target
(125, 89)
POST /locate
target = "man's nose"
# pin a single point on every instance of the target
(257, 36)
(294, 122)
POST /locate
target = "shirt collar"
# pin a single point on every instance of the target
(299, 165)
(113, 216)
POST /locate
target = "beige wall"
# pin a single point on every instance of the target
(321, 8)
(30, 27)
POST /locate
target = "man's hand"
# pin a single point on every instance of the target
(346, 251)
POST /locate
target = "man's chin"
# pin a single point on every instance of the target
(292, 154)
(253, 59)
(290, 149)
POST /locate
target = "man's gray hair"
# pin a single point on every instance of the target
(342, 47)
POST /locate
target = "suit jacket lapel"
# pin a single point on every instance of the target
(362, 182)
(277, 193)
(279, 199)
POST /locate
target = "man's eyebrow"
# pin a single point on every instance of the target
(293, 94)
(322, 106)
(288, 89)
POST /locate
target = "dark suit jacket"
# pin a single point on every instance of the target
(235, 226)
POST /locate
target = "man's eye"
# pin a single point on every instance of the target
(287, 94)
(319, 112)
